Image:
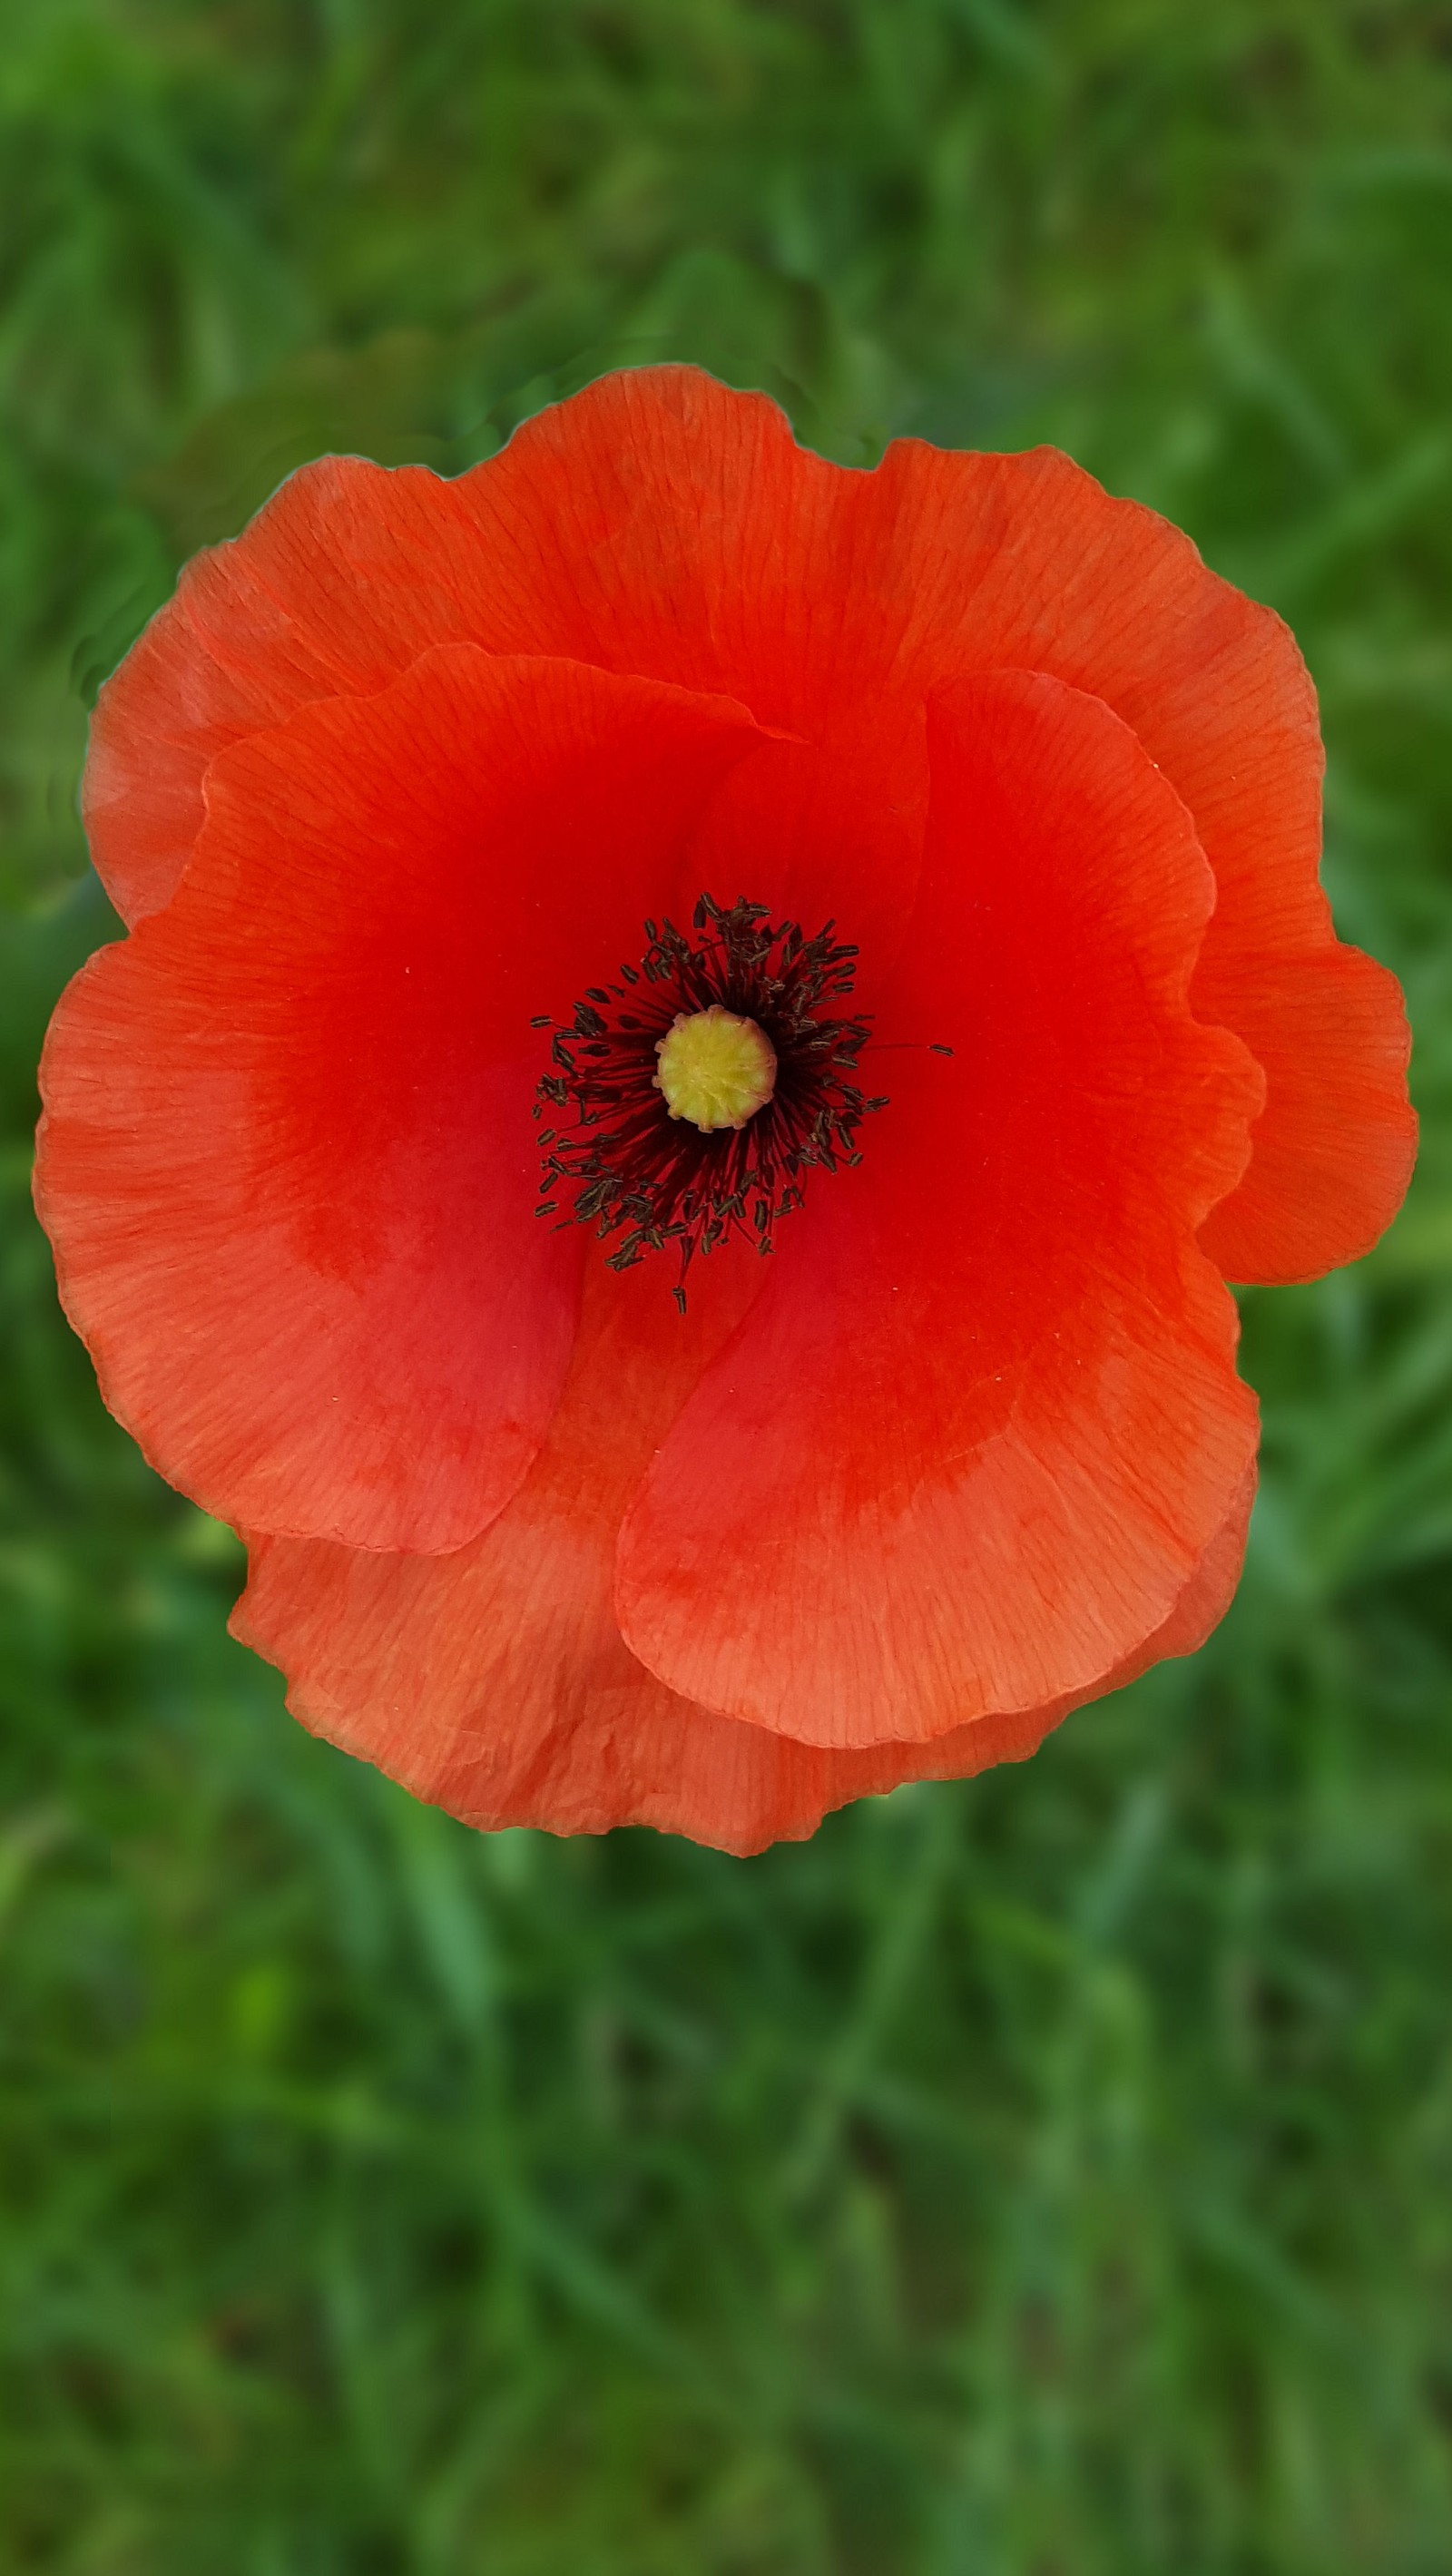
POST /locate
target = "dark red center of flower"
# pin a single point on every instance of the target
(618, 1157)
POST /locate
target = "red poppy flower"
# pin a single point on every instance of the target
(910, 875)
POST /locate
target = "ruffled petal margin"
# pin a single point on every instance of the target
(1026, 560)
(287, 1162)
(494, 1682)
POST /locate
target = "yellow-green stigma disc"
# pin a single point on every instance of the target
(715, 1069)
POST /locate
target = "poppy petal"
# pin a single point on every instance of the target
(288, 1163)
(1026, 560)
(661, 523)
(494, 1681)
(341, 580)
(984, 1420)
(1334, 1149)
(657, 523)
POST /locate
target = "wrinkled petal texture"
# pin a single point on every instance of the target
(660, 524)
(495, 1682)
(287, 1161)
(984, 1419)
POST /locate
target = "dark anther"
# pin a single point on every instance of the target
(655, 1181)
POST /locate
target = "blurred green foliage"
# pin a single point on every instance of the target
(1046, 2177)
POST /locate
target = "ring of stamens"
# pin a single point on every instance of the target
(621, 1154)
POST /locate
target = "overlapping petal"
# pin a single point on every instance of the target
(288, 1163)
(984, 1420)
(494, 1681)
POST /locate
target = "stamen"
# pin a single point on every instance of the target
(705, 1086)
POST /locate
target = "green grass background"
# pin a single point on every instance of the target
(1049, 2176)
